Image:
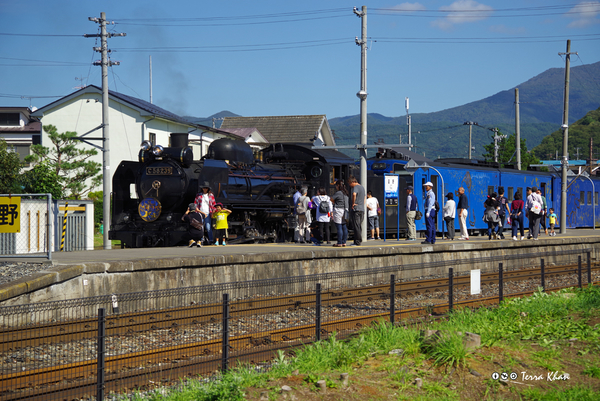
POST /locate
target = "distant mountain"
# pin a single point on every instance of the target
(443, 134)
(580, 133)
(208, 121)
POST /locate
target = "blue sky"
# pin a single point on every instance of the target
(287, 58)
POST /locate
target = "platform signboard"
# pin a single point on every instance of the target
(10, 209)
(391, 192)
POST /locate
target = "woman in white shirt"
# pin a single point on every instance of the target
(449, 214)
(323, 213)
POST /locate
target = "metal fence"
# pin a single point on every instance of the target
(84, 348)
(34, 225)
(26, 225)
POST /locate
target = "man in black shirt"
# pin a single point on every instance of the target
(463, 212)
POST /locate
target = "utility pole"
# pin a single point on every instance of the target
(106, 176)
(517, 129)
(496, 139)
(470, 124)
(565, 127)
(408, 122)
(362, 95)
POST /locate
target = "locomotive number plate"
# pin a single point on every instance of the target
(159, 171)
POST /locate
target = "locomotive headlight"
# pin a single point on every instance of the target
(146, 145)
(169, 218)
(126, 218)
(157, 150)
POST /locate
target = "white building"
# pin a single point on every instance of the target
(131, 121)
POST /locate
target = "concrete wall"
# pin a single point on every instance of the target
(98, 278)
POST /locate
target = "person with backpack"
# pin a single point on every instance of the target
(373, 211)
(303, 234)
(544, 211)
(534, 212)
(502, 212)
(323, 205)
(340, 201)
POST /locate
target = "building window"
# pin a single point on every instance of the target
(10, 119)
(152, 138)
(21, 150)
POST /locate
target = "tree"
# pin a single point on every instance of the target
(42, 179)
(71, 164)
(507, 152)
(10, 169)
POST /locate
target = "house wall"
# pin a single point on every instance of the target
(127, 127)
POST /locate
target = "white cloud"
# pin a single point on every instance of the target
(408, 7)
(584, 14)
(462, 12)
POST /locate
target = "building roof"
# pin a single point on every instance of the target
(282, 129)
(33, 124)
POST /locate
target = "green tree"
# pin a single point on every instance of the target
(507, 152)
(71, 164)
(10, 169)
(42, 179)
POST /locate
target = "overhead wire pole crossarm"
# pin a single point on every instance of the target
(106, 176)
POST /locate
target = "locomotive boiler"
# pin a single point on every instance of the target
(150, 195)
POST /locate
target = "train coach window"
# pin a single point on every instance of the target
(582, 197)
(589, 200)
(511, 194)
(520, 190)
(398, 167)
(543, 188)
(132, 193)
(490, 189)
(595, 198)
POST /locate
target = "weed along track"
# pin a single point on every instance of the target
(59, 359)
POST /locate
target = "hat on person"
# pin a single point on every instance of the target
(219, 204)
(450, 195)
(428, 184)
(410, 187)
(192, 206)
(205, 184)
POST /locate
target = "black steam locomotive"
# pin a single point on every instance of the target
(151, 195)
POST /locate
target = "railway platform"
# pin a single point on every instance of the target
(91, 273)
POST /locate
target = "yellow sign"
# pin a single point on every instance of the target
(10, 210)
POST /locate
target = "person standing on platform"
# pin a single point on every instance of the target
(516, 216)
(411, 213)
(373, 215)
(340, 202)
(534, 212)
(502, 213)
(302, 212)
(552, 220)
(220, 215)
(544, 211)
(430, 213)
(491, 217)
(205, 204)
(323, 205)
(295, 198)
(449, 215)
(463, 213)
(358, 200)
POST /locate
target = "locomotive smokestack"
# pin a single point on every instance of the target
(179, 140)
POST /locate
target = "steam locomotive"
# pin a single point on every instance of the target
(151, 195)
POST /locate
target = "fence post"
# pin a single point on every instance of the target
(579, 279)
(318, 313)
(450, 288)
(543, 267)
(101, 355)
(589, 268)
(225, 341)
(500, 283)
(392, 298)
(64, 228)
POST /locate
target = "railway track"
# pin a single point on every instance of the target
(137, 369)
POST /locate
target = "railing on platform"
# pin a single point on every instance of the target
(112, 344)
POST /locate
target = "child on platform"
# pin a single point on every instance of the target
(220, 215)
(552, 219)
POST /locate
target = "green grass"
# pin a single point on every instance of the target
(99, 242)
(542, 318)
